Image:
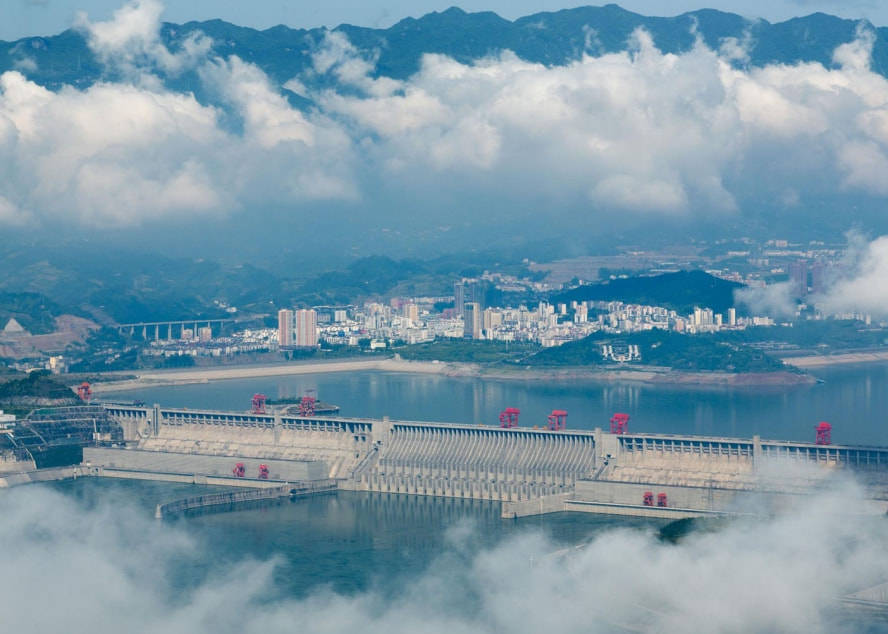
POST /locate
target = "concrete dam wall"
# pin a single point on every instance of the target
(529, 470)
(470, 461)
(476, 462)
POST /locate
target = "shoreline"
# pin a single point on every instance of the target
(659, 376)
(841, 358)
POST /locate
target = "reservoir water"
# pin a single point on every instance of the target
(347, 542)
(854, 399)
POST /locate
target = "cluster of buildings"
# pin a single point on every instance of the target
(251, 340)
(377, 325)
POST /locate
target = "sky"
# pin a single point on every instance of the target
(21, 18)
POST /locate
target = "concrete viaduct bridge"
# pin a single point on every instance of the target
(169, 327)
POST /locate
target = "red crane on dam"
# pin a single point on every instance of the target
(307, 406)
(509, 417)
(84, 391)
(557, 420)
(239, 470)
(619, 423)
(824, 434)
(263, 472)
(258, 404)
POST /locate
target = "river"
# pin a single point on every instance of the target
(854, 399)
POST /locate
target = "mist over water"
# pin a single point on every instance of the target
(97, 562)
(853, 399)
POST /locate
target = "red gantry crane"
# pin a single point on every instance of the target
(557, 420)
(509, 417)
(84, 391)
(307, 406)
(258, 405)
(824, 434)
(619, 423)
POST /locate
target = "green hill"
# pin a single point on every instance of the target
(34, 385)
(662, 348)
(680, 291)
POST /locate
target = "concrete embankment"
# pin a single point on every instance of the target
(8, 480)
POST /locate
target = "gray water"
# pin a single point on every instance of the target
(347, 541)
(854, 399)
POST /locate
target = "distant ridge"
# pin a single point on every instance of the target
(552, 38)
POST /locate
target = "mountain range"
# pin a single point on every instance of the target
(551, 38)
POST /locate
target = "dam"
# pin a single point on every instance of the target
(530, 471)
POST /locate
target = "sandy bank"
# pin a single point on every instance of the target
(652, 375)
(824, 360)
(662, 376)
(205, 375)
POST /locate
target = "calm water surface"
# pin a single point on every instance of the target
(348, 541)
(853, 399)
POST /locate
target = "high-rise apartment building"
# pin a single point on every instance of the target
(285, 327)
(798, 276)
(467, 292)
(459, 298)
(306, 322)
(472, 321)
(411, 312)
(581, 316)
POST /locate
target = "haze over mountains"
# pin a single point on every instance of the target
(561, 132)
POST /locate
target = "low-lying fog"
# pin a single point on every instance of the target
(68, 567)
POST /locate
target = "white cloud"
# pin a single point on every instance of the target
(774, 300)
(857, 54)
(639, 131)
(77, 570)
(855, 285)
(858, 284)
(130, 41)
(268, 118)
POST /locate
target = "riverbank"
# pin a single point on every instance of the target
(666, 376)
(157, 378)
(842, 358)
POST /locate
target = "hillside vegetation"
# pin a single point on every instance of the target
(662, 348)
(33, 311)
(38, 384)
(467, 351)
(680, 291)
